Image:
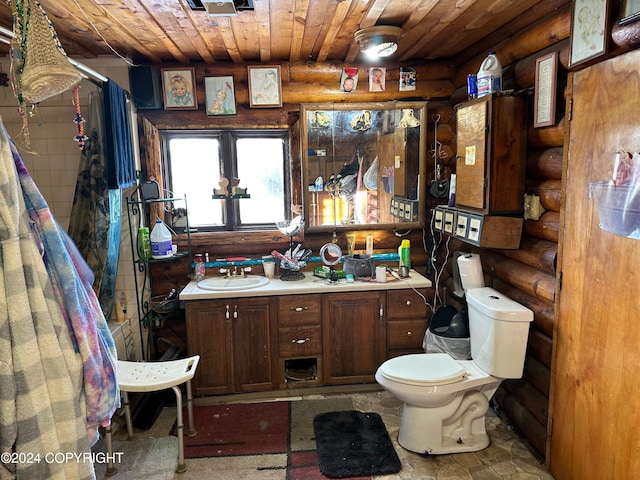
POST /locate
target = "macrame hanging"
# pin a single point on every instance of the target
(43, 67)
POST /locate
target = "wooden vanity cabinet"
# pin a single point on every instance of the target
(299, 341)
(234, 339)
(354, 336)
(406, 321)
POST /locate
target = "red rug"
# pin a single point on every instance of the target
(238, 429)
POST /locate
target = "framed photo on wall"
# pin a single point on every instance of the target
(265, 89)
(629, 11)
(220, 96)
(179, 88)
(589, 23)
(377, 79)
(544, 109)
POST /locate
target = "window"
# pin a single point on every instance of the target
(196, 162)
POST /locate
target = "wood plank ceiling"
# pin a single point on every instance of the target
(170, 31)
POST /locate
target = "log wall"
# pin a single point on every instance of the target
(528, 274)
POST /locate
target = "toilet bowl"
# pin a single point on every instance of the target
(445, 400)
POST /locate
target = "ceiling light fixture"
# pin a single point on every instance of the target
(378, 41)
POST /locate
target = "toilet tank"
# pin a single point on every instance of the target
(499, 329)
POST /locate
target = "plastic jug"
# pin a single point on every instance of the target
(160, 241)
(490, 75)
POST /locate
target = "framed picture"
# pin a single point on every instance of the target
(220, 96)
(179, 88)
(589, 21)
(265, 89)
(544, 109)
(629, 11)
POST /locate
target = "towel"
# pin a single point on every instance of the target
(118, 149)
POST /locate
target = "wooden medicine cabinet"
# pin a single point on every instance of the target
(363, 165)
(491, 161)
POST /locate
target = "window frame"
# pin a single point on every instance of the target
(227, 139)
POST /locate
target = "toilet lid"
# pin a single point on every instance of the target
(423, 369)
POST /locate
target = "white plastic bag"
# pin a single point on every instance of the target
(458, 348)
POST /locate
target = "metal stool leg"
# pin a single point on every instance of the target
(111, 469)
(192, 429)
(182, 467)
(127, 416)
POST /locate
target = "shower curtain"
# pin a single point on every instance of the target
(57, 356)
(106, 167)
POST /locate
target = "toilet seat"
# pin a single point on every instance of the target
(428, 369)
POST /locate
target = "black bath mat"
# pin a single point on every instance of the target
(353, 444)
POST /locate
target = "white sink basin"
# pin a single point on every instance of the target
(226, 284)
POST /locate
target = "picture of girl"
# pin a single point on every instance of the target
(179, 91)
(220, 96)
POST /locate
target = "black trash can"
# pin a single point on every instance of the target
(449, 334)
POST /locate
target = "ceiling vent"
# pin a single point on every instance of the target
(221, 8)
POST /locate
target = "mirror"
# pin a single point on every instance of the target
(364, 165)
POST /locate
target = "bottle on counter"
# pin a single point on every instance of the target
(200, 267)
(369, 244)
(404, 252)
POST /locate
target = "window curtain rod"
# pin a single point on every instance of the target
(6, 36)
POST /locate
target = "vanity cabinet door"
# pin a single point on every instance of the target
(251, 321)
(209, 335)
(233, 338)
(354, 336)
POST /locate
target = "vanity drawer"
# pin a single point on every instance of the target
(406, 304)
(406, 334)
(299, 341)
(298, 310)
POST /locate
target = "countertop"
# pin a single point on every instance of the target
(309, 284)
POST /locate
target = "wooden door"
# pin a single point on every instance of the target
(209, 335)
(252, 345)
(595, 432)
(354, 336)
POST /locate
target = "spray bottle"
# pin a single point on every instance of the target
(404, 252)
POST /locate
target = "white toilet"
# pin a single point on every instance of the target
(445, 399)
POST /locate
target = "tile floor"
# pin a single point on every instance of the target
(507, 458)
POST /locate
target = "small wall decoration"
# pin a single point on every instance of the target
(407, 79)
(349, 79)
(589, 21)
(629, 11)
(178, 87)
(377, 79)
(545, 90)
(220, 96)
(265, 89)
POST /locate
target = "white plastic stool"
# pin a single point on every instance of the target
(151, 377)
